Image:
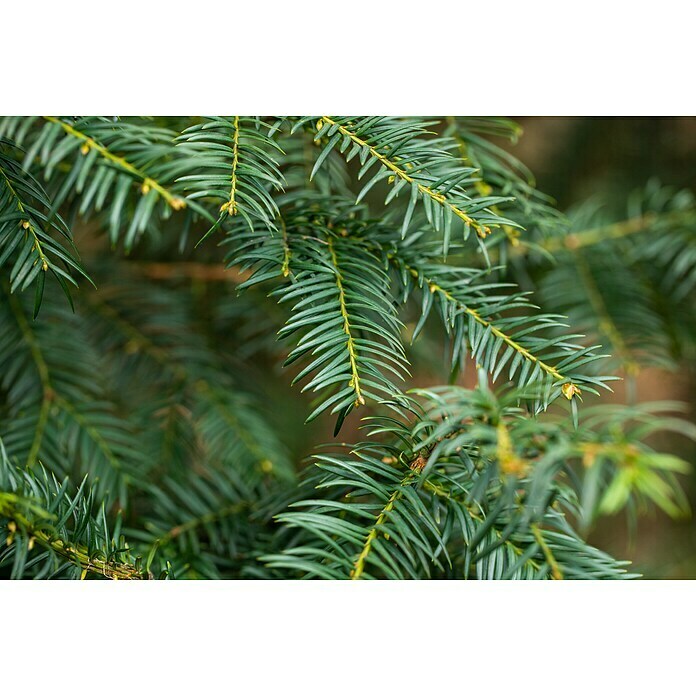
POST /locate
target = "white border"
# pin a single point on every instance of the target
(537, 57)
(335, 638)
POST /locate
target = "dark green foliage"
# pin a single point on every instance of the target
(427, 170)
(151, 432)
(53, 531)
(489, 501)
(629, 281)
(30, 232)
(231, 161)
(122, 170)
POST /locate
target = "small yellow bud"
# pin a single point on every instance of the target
(391, 179)
(12, 526)
(30, 545)
(85, 148)
(44, 265)
(512, 234)
(177, 203)
(570, 390)
(590, 452)
(145, 188)
(266, 466)
(83, 574)
(508, 460)
(514, 466)
(320, 124)
(25, 224)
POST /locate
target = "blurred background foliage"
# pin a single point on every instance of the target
(604, 160)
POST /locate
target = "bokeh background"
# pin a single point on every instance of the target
(575, 159)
